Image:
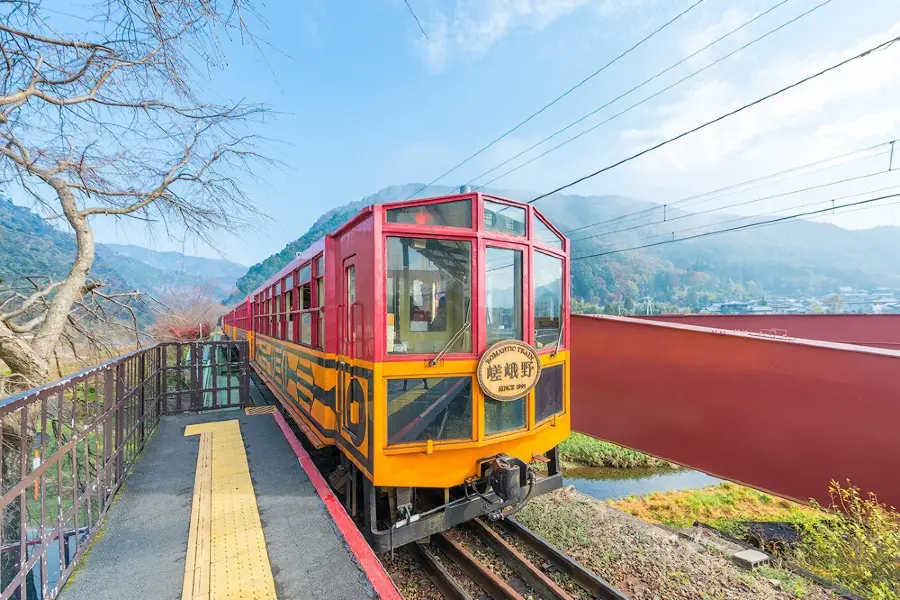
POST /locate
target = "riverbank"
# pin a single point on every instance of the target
(585, 451)
(647, 562)
(855, 544)
(725, 506)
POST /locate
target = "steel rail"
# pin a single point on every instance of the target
(582, 576)
(439, 576)
(523, 567)
(489, 581)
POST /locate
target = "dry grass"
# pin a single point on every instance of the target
(646, 562)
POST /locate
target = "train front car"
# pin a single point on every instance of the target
(428, 342)
(468, 336)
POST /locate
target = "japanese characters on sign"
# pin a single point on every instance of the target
(508, 370)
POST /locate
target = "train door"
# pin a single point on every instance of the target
(350, 396)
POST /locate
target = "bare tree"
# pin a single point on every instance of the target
(108, 122)
(189, 314)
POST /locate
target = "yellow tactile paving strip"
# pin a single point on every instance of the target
(251, 411)
(226, 553)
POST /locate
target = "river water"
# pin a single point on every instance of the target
(605, 483)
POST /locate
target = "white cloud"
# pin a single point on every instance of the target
(469, 28)
(833, 113)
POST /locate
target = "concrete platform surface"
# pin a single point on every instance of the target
(142, 548)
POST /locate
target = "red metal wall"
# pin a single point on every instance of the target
(782, 415)
(881, 331)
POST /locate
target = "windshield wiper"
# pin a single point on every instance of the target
(559, 338)
(456, 336)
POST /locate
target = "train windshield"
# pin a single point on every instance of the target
(428, 295)
(548, 289)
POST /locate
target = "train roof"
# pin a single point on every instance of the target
(319, 246)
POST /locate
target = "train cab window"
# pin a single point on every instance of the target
(437, 408)
(503, 294)
(504, 218)
(445, 214)
(544, 234)
(548, 393)
(500, 417)
(428, 296)
(503, 316)
(548, 290)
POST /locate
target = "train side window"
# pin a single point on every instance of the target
(428, 295)
(548, 295)
(304, 300)
(437, 408)
(289, 306)
(320, 314)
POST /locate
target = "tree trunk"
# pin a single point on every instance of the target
(21, 358)
(47, 337)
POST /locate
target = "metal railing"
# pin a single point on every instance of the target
(66, 447)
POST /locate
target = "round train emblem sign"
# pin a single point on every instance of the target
(508, 370)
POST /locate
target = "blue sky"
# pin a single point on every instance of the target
(362, 100)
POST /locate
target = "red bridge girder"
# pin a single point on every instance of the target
(782, 415)
(881, 331)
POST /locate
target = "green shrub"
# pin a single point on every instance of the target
(857, 545)
(591, 452)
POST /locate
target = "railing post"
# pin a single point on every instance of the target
(160, 382)
(109, 401)
(142, 367)
(194, 348)
(120, 420)
(245, 374)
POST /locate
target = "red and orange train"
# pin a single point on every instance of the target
(427, 341)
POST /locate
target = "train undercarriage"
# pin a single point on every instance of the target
(394, 517)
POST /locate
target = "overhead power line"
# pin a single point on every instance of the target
(657, 93)
(563, 95)
(731, 113)
(735, 186)
(735, 205)
(629, 92)
(413, 13)
(742, 227)
(672, 235)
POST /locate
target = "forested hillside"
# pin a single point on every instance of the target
(30, 246)
(797, 258)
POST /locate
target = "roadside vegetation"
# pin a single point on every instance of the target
(724, 506)
(854, 542)
(586, 451)
(648, 563)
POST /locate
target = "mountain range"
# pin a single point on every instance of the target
(30, 246)
(794, 258)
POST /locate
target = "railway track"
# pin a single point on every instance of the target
(505, 561)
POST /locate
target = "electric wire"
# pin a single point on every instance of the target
(672, 234)
(656, 94)
(742, 227)
(735, 205)
(623, 95)
(882, 46)
(736, 186)
(563, 95)
(413, 13)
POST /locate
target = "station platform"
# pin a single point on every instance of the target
(226, 504)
